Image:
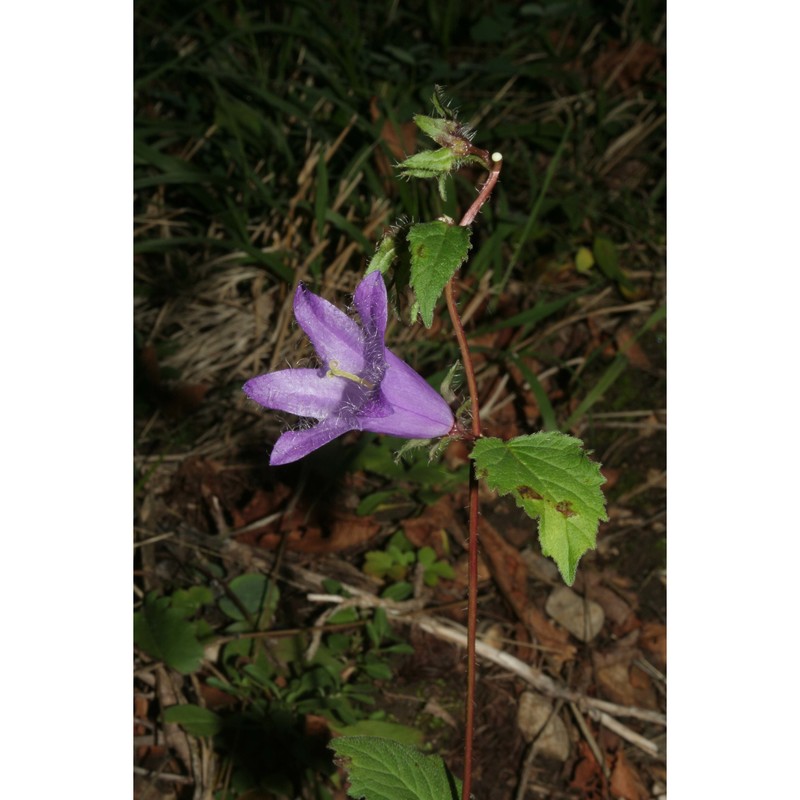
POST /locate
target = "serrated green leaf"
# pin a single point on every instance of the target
(381, 769)
(428, 164)
(163, 633)
(437, 251)
(550, 476)
(381, 729)
(194, 720)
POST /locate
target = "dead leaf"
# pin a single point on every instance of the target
(632, 350)
(175, 400)
(625, 781)
(588, 777)
(345, 533)
(511, 575)
(620, 680)
(401, 141)
(430, 528)
(653, 639)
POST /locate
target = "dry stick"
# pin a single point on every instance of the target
(469, 371)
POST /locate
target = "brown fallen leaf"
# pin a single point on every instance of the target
(620, 679)
(511, 575)
(401, 141)
(430, 528)
(625, 781)
(176, 400)
(653, 639)
(588, 777)
(344, 533)
(632, 350)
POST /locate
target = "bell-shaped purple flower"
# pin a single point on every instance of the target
(360, 385)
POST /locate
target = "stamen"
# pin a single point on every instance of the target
(333, 370)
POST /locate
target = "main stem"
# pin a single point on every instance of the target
(472, 386)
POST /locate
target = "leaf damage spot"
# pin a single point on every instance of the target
(565, 508)
(526, 493)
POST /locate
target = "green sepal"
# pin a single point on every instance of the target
(385, 254)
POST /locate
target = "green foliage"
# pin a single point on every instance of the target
(438, 249)
(605, 254)
(165, 633)
(550, 476)
(393, 564)
(251, 602)
(194, 720)
(380, 769)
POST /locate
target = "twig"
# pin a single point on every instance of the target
(591, 741)
(457, 634)
(163, 776)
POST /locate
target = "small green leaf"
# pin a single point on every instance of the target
(605, 254)
(194, 720)
(381, 769)
(255, 594)
(189, 601)
(398, 592)
(426, 556)
(377, 563)
(584, 260)
(437, 251)
(550, 477)
(164, 633)
(428, 164)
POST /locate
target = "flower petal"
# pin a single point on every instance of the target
(372, 306)
(334, 335)
(417, 410)
(299, 391)
(293, 445)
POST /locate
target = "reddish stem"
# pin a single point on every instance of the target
(474, 503)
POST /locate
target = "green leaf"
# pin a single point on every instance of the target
(584, 260)
(189, 601)
(163, 633)
(256, 594)
(428, 164)
(194, 720)
(605, 254)
(381, 729)
(399, 591)
(550, 476)
(381, 769)
(437, 251)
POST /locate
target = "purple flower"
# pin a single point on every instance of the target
(360, 386)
